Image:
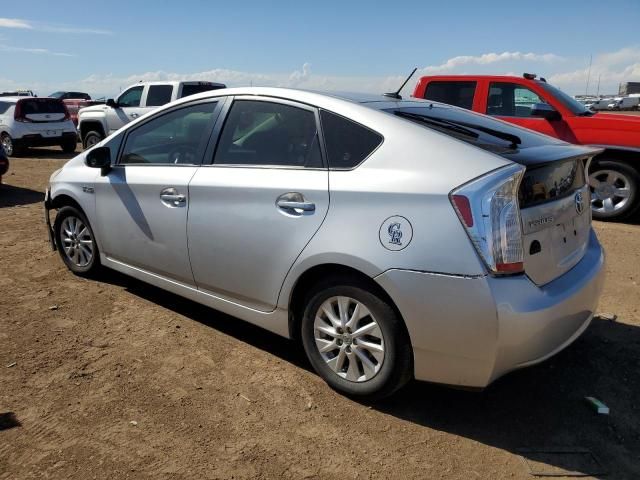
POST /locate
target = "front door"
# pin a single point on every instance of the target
(513, 103)
(142, 203)
(261, 201)
(128, 108)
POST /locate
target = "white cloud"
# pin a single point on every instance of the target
(489, 58)
(14, 23)
(46, 27)
(36, 51)
(608, 70)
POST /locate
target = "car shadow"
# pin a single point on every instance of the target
(11, 196)
(53, 153)
(538, 408)
(234, 327)
(8, 420)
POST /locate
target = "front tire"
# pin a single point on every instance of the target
(355, 340)
(10, 148)
(76, 242)
(614, 190)
(91, 139)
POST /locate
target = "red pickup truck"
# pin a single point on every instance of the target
(614, 175)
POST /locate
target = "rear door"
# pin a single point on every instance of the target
(460, 93)
(254, 209)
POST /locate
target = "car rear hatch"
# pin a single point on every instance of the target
(555, 209)
(46, 116)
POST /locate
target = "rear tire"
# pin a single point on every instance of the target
(91, 138)
(614, 190)
(368, 357)
(76, 242)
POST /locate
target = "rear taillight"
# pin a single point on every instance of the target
(489, 211)
(17, 113)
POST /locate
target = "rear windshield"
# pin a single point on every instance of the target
(192, 89)
(483, 140)
(552, 181)
(35, 106)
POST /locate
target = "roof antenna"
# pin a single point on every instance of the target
(396, 94)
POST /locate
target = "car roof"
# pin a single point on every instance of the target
(475, 77)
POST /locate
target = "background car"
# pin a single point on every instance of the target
(34, 122)
(393, 239)
(535, 104)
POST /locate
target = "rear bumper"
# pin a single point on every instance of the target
(468, 331)
(37, 140)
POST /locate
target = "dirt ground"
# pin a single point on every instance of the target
(112, 379)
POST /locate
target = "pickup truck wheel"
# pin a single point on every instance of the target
(69, 146)
(91, 138)
(614, 190)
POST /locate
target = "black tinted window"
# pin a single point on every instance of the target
(265, 133)
(348, 143)
(177, 137)
(41, 105)
(159, 95)
(459, 94)
(192, 89)
(4, 106)
(131, 98)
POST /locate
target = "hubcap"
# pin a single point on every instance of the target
(610, 191)
(76, 241)
(349, 339)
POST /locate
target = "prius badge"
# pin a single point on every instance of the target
(395, 233)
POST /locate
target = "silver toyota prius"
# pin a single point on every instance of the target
(394, 239)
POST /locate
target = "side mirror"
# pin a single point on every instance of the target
(112, 103)
(545, 110)
(99, 157)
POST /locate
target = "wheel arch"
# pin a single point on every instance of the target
(313, 275)
(64, 200)
(629, 156)
(91, 125)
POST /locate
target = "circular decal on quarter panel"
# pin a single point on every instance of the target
(396, 233)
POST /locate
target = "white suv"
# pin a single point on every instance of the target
(35, 122)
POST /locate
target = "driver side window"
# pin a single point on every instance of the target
(131, 98)
(511, 100)
(177, 137)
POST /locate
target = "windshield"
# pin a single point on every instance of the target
(568, 101)
(56, 94)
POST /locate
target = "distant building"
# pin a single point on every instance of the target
(628, 88)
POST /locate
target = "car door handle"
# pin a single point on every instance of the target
(172, 197)
(304, 206)
(135, 115)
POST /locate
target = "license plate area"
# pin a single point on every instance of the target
(51, 133)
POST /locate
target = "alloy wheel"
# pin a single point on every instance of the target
(77, 243)
(7, 144)
(610, 191)
(349, 339)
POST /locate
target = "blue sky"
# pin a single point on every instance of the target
(103, 46)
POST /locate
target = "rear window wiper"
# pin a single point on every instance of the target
(509, 137)
(438, 122)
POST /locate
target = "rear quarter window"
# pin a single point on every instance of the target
(459, 94)
(4, 106)
(347, 143)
